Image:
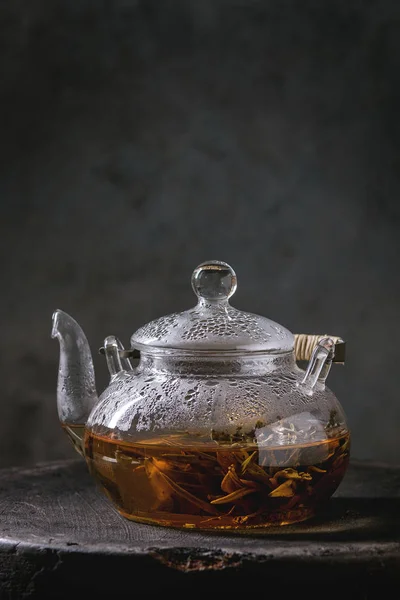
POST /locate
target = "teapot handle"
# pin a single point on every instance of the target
(320, 363)
(115, 356)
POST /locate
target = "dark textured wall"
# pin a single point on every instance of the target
(139, 138)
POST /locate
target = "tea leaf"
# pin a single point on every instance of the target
(293, 474)
(157, 480)
(226, 459)
(250, 483)
(316, 469)
(231, 481)
(181, 492)
(285, 490)
(346, 444)
(293, 458)
(204, 456)
(248, 460)
(255, 472)
(233, 496)
(139, 468)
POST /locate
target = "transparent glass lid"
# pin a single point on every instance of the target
(213, 325)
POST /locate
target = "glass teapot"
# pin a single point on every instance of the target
(218, 426)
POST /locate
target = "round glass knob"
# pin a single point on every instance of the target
(214, 280)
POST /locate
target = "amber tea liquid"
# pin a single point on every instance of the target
(212, 487)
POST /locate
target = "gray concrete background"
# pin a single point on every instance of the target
(139, 138)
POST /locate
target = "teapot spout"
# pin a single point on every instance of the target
(76, 389)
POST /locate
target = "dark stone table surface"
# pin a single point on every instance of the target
(60, 536)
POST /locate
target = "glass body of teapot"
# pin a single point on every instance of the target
(217, 427)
